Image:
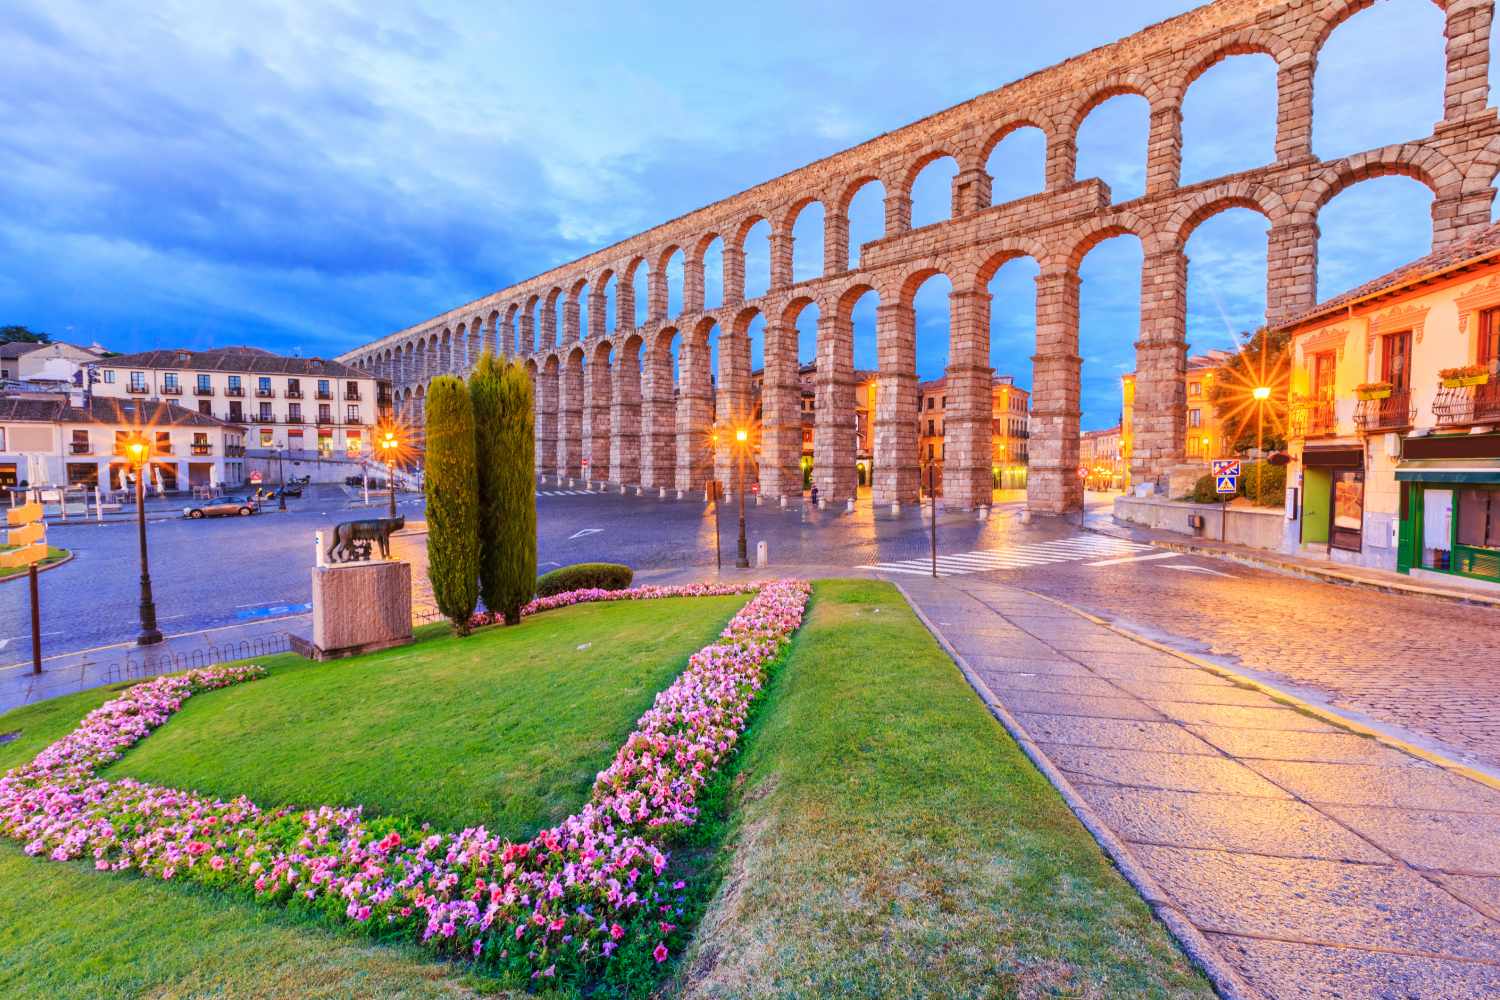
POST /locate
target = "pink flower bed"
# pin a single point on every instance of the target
(564, 904)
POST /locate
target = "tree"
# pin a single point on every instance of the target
(505, 450)
(452, 504)
(21, 335)
(1263, 360)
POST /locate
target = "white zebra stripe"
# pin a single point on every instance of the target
(1023, 556)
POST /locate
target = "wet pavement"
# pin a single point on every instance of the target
(1312, 861)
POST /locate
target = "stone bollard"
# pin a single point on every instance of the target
(849, 507)
(783, 503)
(895, 506)
(1025, 515)
(762, 555)
(984, 513)
(661, 493)
(758, 499)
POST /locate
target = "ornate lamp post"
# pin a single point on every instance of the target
(138, 453)
(742, 439)
(390, 445)
(281, 479)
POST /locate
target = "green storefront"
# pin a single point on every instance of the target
(1450, 505)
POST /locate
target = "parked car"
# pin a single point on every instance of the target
(223, 507)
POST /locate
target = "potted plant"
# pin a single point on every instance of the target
(1465, 375)
(1373, 390)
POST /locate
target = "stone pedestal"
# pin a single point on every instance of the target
(358, 608)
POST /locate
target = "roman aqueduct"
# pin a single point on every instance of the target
(610, 397)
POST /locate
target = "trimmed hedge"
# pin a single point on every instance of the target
(1271, 480)
(581, 576)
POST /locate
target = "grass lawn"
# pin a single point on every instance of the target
(506, 728)
(54, 554)
(890, 839)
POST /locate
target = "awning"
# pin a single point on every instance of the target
(1460, 473)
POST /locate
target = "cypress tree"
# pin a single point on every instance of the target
(452, 505)
(511, 563)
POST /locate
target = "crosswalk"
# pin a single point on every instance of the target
(1023, 556)
(566, 493)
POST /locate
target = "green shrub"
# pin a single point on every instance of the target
(1203, 491)
(605, 576)
(452, 501)
(1263, 484)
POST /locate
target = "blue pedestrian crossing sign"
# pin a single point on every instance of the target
(1226, 475)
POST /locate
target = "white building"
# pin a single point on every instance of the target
(317, 415)
(54, 439)
(53, 364)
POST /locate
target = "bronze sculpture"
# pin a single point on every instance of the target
(351, 540)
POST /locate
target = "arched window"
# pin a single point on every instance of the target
(807, 242)
(1018, 165)
(866, 218)
(932, 192)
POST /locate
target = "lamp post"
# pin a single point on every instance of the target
(281, 480)
(389, 444)
(1260, 394)
(742, 438)
(138, 452)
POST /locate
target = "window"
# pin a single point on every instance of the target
(294, 413)
(1195, 388)
(930, 401)
(267, 437)
(137, 381)
(325, 442)
(325, 413)
(294, 388)
(1395, 360)
(169, 383)
(109, 376)
(205, 385)
(263, 386)
(1195, 418)
(235, 388)
(352, 416)
(1479, 518)
(1489, 342)
(323, 391)
(1348, 508)
(354, 444)
(930, 431)
(265, 413)
(205, 407)
(164, 442)
(80, 442)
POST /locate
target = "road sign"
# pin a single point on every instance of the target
(1226, 476)
(26, 541)
(255, 478)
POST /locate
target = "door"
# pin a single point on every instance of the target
(1395, 361)
(1317, 494)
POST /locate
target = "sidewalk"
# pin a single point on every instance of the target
(1105, 524)
(67, 673)
(1294, 857)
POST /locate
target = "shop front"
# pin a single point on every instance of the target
(1333, 495)
(1450, 507)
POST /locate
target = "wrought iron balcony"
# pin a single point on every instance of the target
(171, 390)
(265, 418)
(202, 449)
(80, 447)
(234, 451)
(203, 390)
(325, 394)
(1466, 405)
(352, 394)
(235, 390)
(1382, 416)
(265, 393)
(1313, 418)
(137, 390)
(294, 394)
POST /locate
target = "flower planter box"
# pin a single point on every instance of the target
(1465, 381)
(1374, 393)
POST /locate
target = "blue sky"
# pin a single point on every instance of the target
(308, 175)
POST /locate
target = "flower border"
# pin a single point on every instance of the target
(563, 904)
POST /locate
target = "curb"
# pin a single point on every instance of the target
(40, 569)
(1226, 981)
(1292, 701)
(1314, 572)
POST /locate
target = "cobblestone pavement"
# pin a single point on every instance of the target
(1294, 858)
(1428, 666)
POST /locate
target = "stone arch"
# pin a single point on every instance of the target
(598, 401)
(1108, 229)
(658, 459)
(1321, 29)
(997, 255)
(1203, 206)
(916, 277)
(919, 163)
(1113, 85)
(1420, 163)
(1245, 42)
(999, 133)
(853, 186)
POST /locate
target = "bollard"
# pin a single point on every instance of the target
(322, 559)
(762, 555)
(661, 493)
(679, 494)
(849, 507)
(895, 506)
(1025, 515)
(822, 504)
(783, 503)
(758, 499)
(984, 513)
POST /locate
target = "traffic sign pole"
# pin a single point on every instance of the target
(36, 625)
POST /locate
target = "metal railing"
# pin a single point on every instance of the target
(1393, 413)
(171, 390)
(235, 391)
(137, 668)
(1313, 418)
(265, 393)
(203, 449)
(80, 447)
(1469, 404)
(203, 390)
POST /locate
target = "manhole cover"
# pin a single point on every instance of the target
(7, 737)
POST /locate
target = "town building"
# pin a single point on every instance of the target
(61, 439)
(1395, 419)
(1101, 459)
(1009, 430)
(29, 366)
(1127, 426)
(317, 415)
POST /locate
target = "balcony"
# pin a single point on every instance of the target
(325, 418)
(171, 390)
(1313, 418)
(352, 394)
(265, 393)
(137, 390)
(162, 448)
(80, 448)
(202, 449)
(203, 390)
(234, 451)
(294, 394)
(1384, 416)
(294, 418)
(265, 418)
(235, 390)
(1466, 405)
(325, 394)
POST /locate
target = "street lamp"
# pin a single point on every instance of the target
(390, 444)
(281, 478)
(742, 438)
(138, 453)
